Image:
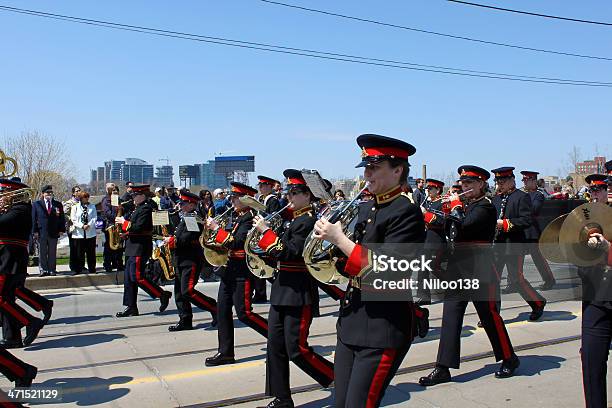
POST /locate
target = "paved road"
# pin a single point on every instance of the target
(100, 360)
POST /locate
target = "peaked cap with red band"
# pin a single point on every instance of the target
(597, 179)
(189, 197)
(530, 174)
(294, 178)
(503, 172)
(375, 148)
(267, 180)
(434, 183)
(469, 172)
(10, 185)
(609, 167)
(141, 188)
(240, 189)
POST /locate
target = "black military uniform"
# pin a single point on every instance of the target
(15, 227)
(188, 258)
(138, 248)
(236, 286)
(532, 235)
(471, 230)
(435, 238)
(374, 337)
(272, 205)
(294, 301)
(596, 320)
(514, 209)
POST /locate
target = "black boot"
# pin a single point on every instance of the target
(11, 344)
(537, 312)
(47, 312)
(181, 325)
(439, 375)
(164, 300)
(129, 311)
(26, 380)
(281, 403)
(548, 285)
(213, 322)
(511, 288)
(508, 367)
(219, 359)
(32, 331)
(423, 323)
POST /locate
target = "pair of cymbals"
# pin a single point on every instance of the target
(564, 240)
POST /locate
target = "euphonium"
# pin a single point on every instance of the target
(256, 265)
(321, 256)
(215, 254)
(10, 198)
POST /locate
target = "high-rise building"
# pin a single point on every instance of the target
(136, 171)
(597, 165)
(164, 175)
(206, 176)
(112, 170)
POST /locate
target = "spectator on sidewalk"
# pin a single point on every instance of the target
(74, 199)
(206, 207)
(419, 194)
(83, 217)
(48, 224)
(221, 202)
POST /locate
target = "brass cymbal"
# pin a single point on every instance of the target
(575, 231)
(549, 241)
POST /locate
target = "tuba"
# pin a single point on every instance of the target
(321, 257)
(215, 254)
(256, 265)
(10, 198)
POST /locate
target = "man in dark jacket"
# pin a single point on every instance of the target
(48, 223)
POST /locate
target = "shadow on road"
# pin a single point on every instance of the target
(546, 317)
(89, 390)
(83, 340)
(77, 319)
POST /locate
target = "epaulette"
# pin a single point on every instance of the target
(408, 196)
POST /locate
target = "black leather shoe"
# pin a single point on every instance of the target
(537, 312)
(281, 403)
(26, 380)
(32, 331)
(53, 273)
(8, 344)
(214, 322)
(508, 367)
(509, 289)
(219, 359)
(479, 324)
(47, 312)
(423, 323)
(260, 299)
(180, 326)
(547, 285)
(164, 300)
(128, 312)
(439, 375)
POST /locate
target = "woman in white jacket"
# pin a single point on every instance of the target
(83, 216)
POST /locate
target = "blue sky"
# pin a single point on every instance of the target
(112, 94)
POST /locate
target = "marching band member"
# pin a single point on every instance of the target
(532, 234)
(514, 217)
(374, 337)
(15, 227)
(596, 309)
(236, 286)
(294, 298)
(471, 231)
(138, 231)
(188, 258)
(435, 238)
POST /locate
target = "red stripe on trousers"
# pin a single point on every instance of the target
(195, 294)
(20, 294)
(7, 307)
(156, 292)
(15, 369)
(522, 281)
(309, 356)
(380, 375)
(499, 324)
(248, 308)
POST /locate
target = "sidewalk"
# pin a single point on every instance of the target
(66, 279)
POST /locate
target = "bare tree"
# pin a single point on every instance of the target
(42, 159)
(573, 157)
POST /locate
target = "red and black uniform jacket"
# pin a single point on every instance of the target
(233, 238)
(139, 229)
(186, 245)
(15, 228)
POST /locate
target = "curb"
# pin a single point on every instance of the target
(77, 281)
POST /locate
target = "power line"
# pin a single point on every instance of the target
(306, 52)
(576, 20)
(419, 30)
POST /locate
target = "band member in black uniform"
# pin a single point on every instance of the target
(138, 231)
(596, 310)
(374, 337)
(236, 286)
(455, 189)
(532, 234)
(15, 228)
(267, 197)
(435, 238)
(188, 258)
(471, 229)
(514, 216)
(294, 299)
